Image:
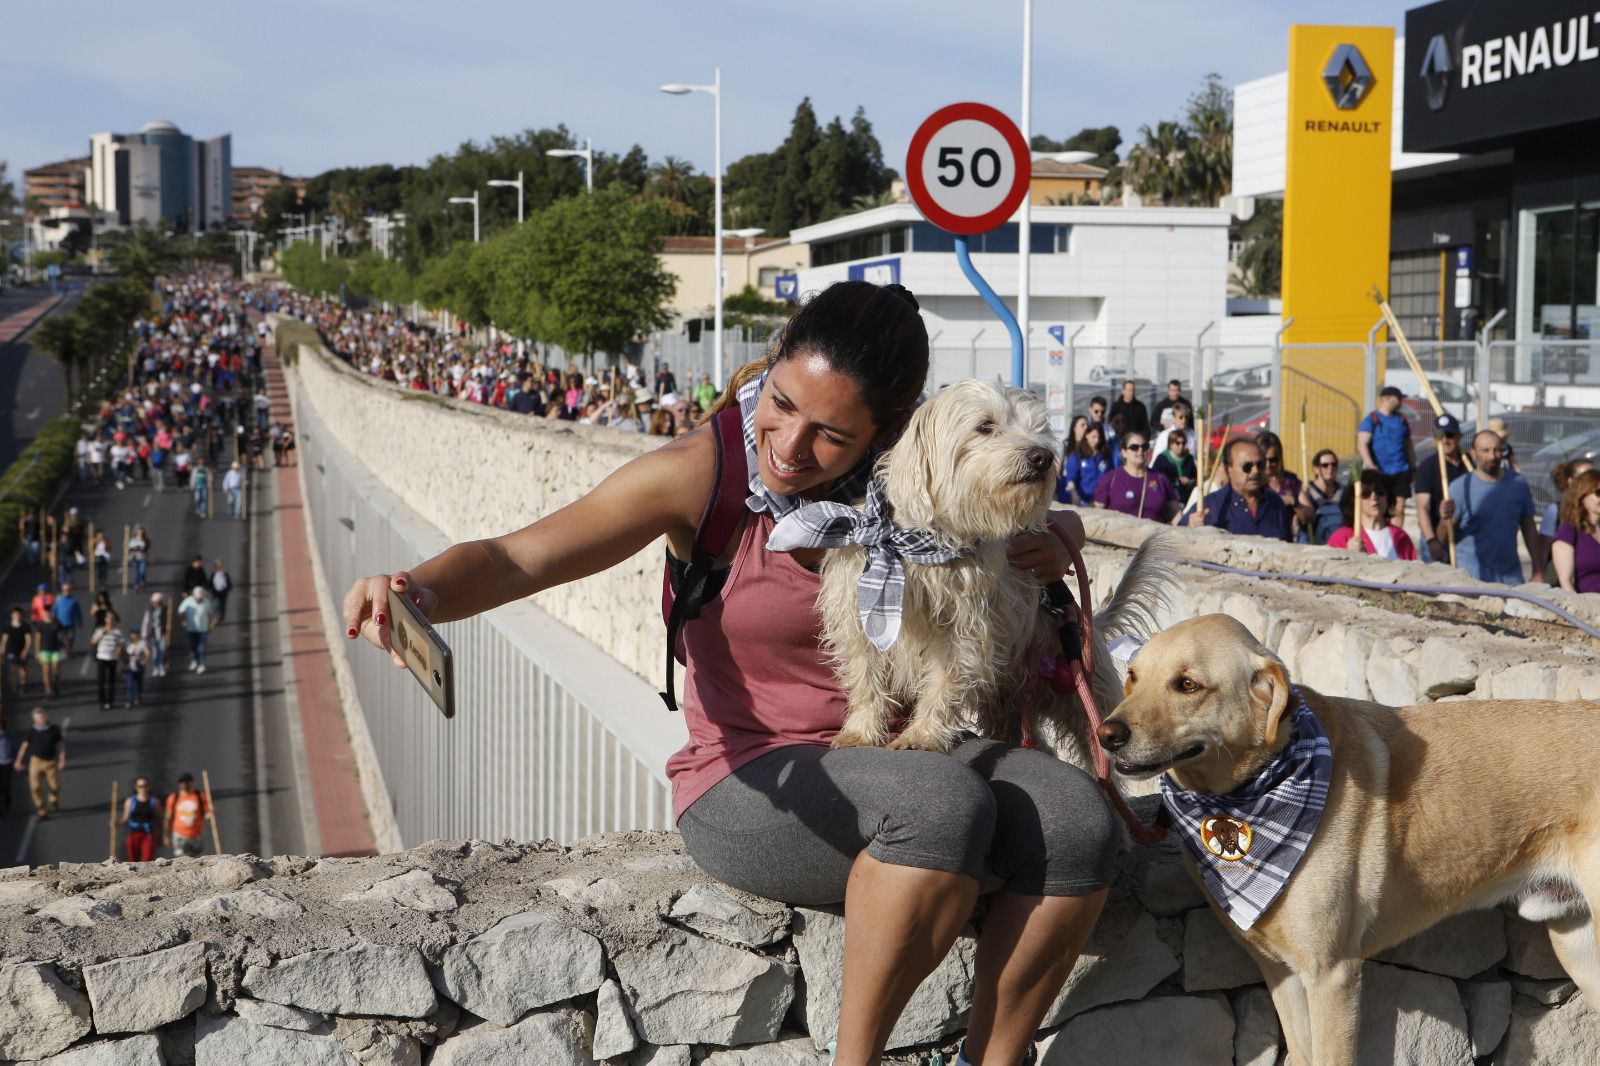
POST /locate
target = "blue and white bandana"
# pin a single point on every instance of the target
(1248, 842)
(847, 489)
(880, 594)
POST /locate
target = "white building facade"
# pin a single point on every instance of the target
(1115, 289)
(161, 176)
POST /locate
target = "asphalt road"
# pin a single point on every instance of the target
(231, 721)
(31, 389)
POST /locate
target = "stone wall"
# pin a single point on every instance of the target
(475, 472)
(618, 950)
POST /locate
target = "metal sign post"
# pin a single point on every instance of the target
(968, 170)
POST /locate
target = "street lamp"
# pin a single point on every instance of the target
(715, 90)
(507, 183)
(586, 153)
(473, 200)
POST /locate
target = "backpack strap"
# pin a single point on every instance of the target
(724, 510)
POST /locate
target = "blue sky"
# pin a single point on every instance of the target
(308, 86)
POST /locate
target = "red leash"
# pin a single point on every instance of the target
(1071, 672)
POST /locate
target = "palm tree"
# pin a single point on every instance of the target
(64, 338)
(140, 253)
(867, 201)
(1153, 167)
(669, 180)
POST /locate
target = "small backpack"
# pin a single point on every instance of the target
(721, 517)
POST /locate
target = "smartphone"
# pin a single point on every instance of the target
(425, 652)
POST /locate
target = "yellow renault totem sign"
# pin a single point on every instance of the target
(1335, 224)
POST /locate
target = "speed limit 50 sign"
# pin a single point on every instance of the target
(968, 168)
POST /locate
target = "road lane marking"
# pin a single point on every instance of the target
(146, 501)
(27, 838)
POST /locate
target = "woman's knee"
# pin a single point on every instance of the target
(942, 816)
(1058, 833)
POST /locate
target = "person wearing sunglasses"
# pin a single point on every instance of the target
(1243, 506)
(1133, 488)
(1379, 536)
(1320, 495)
(1429, 487)
(1489, 507)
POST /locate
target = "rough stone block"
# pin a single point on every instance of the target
(1290, 642)
(651, 1055)
(520, 963)
(1524, 681)
(1161, 1031)
(789, 1050)
(549, 1038)
(229, 1040)
(1256, 1033)
(133, 1051)
(1566, 1036)
(1160, 880)
(613, 1033)
(142, 993)
(684, 989)
(278, 1016)
(1488, 1014)
(249, 903)
(939, 1005)
(1253, 615)
(1577, 683)
(39, 1015)
(1124, 959)
(1461, 946)
(1411, 1017)
(81, 912)
(1528, 950)
(1391, 679)
(366, 979)
(712, 910)
(1551, 993)
(417, 890)
(1322, 663)
(1212, 958)
(372, 1043)
(1446, 668)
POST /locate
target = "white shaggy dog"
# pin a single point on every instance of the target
(977, 463)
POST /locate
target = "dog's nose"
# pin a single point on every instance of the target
(1039, 459)
(1113, 734)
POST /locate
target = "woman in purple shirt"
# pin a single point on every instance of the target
(1576, 548)
(1131, 488)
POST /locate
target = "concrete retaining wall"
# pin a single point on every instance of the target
(617, 949)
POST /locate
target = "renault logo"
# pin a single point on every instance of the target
(1348, 77)
(1436, 67)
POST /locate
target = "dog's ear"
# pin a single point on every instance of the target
(908, 468)
(1269, 692)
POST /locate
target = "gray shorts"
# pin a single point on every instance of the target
(789, 825)
(182, 846)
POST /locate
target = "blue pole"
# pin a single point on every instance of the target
(1019, 370)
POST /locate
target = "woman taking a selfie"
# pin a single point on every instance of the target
(907, 839)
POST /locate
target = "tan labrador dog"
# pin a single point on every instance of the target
(1432, 810)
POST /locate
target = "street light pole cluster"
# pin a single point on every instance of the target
(381, 228)
(473, 200)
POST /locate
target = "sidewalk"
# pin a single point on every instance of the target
(336, 797)
(14, 324)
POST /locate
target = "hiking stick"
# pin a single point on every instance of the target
(1355, 508)
(1305, 452)
(1405, 350)
(1444, 487)
(92, 567)
(124, 560)
(112, 857)
(211, 811)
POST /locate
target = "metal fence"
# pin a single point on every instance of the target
(552, 737)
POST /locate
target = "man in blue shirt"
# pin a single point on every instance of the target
(1384, 441)
(1242, 506)
(1489, 506)
(68, 615)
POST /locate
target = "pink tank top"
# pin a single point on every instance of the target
(757, 678)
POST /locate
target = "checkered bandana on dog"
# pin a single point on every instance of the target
(880, 594)
(1247, 843)
(849, 488)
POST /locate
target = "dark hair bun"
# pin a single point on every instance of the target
(904, 294)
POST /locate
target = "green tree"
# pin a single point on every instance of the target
(65, 338)
(1154, 167)
(1207, 167)
(748, 307)
(1260, 262)
(584, 273)
(140, 253)
(1101, 140)
(9, 202)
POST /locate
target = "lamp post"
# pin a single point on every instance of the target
(473, 200)
(586, 153)
(715, 91)
(507, 183)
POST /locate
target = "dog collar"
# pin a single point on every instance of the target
(1248, 842)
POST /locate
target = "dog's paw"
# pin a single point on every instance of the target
(853, 738)
(920, 740)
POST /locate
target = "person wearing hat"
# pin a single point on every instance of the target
(1429, 487)
(1384, 440)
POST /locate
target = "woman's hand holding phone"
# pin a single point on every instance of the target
(366, 608)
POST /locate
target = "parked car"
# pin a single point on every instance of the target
(1244, 379)
(1537, 467)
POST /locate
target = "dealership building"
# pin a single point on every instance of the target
(1495, 165)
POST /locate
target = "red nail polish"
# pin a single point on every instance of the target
(400, 582)
(350, 632)
(380, 619)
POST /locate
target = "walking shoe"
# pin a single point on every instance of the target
(202, 669)
(192, 665)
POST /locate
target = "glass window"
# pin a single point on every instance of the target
(1566, 272)
(768, 278)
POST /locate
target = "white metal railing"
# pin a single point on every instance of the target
(552, 737)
